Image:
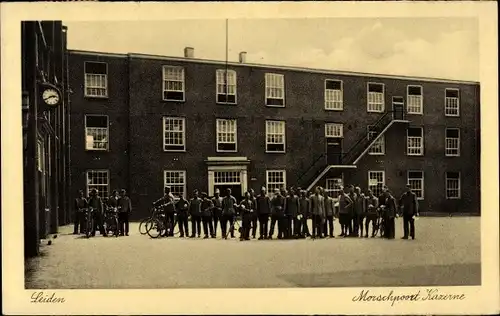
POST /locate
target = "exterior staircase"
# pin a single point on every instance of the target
(351, 158)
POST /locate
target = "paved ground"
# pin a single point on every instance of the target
(446, 252)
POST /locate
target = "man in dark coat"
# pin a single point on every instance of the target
(253, 215)
(182, 208)
(359, 212)
(345, 204)
(195, 213)
(263, 210)
(408, 202)
(390, 215)
(229, 205)
(277, 214)
(328, 226)
(371, 212)
(95, 202)
(304, 215)
(217, 211)
(167, 203)
(352, 212)
(247, 209)
(206, 212)
(124, 208)
(318, 213)
(291, 213)
(81, 204)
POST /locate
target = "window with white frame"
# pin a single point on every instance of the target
(275, 90)
(334, 95)
(334, 130)
(275, 136)
(174, 134)
(378, 147)
(96, 132)
(416, 183)
(333, 186)
(276, 179)
(415, 141)
(376, 181)
(452, 185)
(415, 100)
(452, 102)
(227, 177)
(99, 180)
(226, 86)
(96, 79)
(376, 100)
(452, 142)
(173, 83)
(226, 135)
(176, 180)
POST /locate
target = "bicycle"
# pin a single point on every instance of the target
(144, 222)
(155, 227)
(111, 221)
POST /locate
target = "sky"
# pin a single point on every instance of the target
(428, 47)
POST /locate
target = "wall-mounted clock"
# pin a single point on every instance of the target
(51, 97)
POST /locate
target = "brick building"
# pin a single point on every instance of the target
(45, 110)
(142, 122)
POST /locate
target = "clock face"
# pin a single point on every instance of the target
(51, 97)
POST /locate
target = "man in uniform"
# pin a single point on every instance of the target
(124, 209)
(182, 208)
(304, 214)
(345, 204)
(277, 214)
(408, 202)
(359, 211)
(247, 209)
(253, 215)
(113, 199)
(95, 202)
(318, 213)
(381, 202)
(329, 215)
(351, 222)
(263, 211)
(371, 212)
(390, 214)
(168, 207)
(80, 206)
(291, 213)
(229, 205)
(217, 211)
(206, 210)
(195, 212)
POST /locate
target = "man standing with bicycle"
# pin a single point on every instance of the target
(80, 206)
(96, 204)
(167, 204)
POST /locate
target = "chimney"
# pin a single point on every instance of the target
(189, 52)
(243, 57)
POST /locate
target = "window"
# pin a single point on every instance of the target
(96, 79)
(376, 97)
(334, 130)
(333, 186)
(275, 136)
(275, 90)
(174, 134)
(276, 179)
(452, 142)
(173, 83)
(226, 86)
(376, 181)
(333, 95)
(226, 135)
(378, 147)
(415, 141)
(453, 185)
(416, 183)
(452, 102)
(99, 180)
(415, 100)
(96, 132)
(227, 177)
(176, 180)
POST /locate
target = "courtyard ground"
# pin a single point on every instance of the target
(446, 252)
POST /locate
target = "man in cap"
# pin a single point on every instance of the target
(390, 215)
(408, 202)
(124, 208)
(195, 213)
(253, 215)
(371, 212)
(291, 213)
(95, 202)
(304, 215)
(206, 210)
(229, 205)
(217, 210)
(167, 204)
(277, 214)
(247, 208)
(263, 205)
(318, 213)
(345, 204)
(359, 210)
(81, 204)
(328, 226)
(182, 208)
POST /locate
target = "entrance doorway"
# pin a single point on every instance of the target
(235, 190)
(334, 150)
(228, 179)
(398, 105)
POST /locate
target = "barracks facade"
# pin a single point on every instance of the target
(143, 122)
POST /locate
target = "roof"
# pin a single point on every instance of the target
(278, 67)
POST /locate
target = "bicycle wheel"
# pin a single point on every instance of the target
(155, 229)
(142, 226)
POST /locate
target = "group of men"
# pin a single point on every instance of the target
(119, 203)
(289, 211)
